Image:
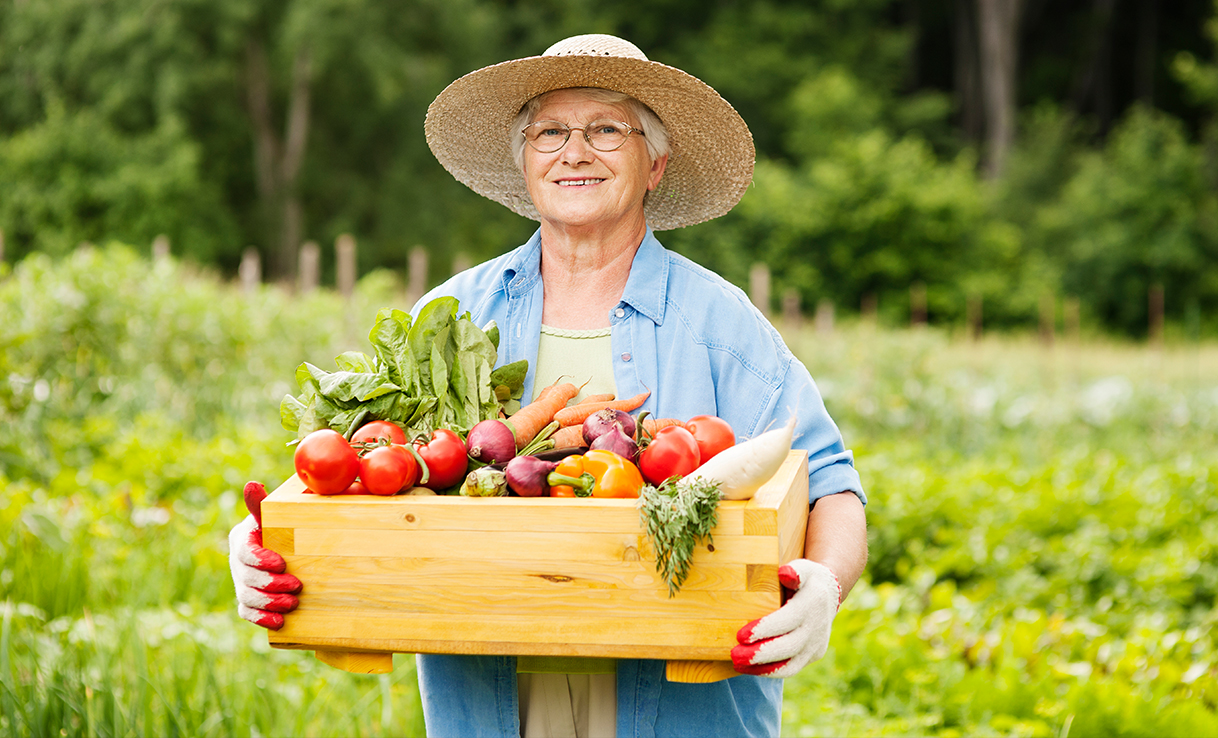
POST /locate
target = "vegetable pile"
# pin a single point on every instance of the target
(426, 413)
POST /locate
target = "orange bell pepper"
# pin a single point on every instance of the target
(595, 474)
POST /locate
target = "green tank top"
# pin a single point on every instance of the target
(576, 356)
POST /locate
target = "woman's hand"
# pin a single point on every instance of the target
(264, 591)
(785, 641)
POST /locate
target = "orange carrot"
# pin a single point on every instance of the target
(599, 398)
(651, 425)
(570, 437)
(528, 421)
(577, 414)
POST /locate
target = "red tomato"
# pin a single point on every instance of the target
(370, 432)
(357, 488)
(712, 434)
(387, 470)
(445, 457)
(325, 462)
(673, 452)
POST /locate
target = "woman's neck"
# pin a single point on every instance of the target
(585, 274)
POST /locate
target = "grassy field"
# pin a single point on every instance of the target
(1042, 521)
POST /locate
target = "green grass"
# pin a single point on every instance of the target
(1042, 522)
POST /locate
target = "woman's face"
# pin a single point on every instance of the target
(578, 186)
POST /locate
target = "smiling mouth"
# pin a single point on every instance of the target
(578, 182)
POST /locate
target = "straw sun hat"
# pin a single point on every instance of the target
(711, 159)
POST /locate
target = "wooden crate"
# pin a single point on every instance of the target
(525, 576)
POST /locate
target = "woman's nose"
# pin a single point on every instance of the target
(577, 150)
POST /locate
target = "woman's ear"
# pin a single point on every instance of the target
(657, 171)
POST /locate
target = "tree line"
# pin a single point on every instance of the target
(992, 151)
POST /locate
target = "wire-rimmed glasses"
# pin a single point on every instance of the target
(603, 134)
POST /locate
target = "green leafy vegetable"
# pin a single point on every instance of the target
(678, 515)
(433, 372)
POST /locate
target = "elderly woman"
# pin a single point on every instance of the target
(603, 147)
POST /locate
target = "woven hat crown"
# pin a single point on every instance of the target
(595, 44)
(710, 163)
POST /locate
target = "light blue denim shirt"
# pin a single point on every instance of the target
(701, 347)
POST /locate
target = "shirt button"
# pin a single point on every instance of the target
(620, 312)
(625, 357)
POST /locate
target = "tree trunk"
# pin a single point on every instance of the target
(1147, 50)
(968, 87)
(998, 25)
(277, 163)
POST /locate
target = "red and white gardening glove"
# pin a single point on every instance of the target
(790, 638)
(264, 591)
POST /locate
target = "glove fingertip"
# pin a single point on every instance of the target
(761, 669)
(255, 493)
(744, 636)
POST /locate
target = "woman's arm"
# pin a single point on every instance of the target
(837, 537)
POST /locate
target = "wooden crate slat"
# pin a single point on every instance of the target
(291, 507)
(546, 606)
(472, 546)
(364, 630)
(527, 576)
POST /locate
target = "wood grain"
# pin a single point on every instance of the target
(699, 672)
(357, 662)
(512, 576)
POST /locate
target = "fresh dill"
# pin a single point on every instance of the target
(678, 515)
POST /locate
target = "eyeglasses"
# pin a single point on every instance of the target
(605, 134)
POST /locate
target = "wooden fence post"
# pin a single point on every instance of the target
(309, 265)
(416, 277)
(250, 270)
(759, 287)
(1048, 318)
(344, 248)
(461, 262)
(1, 244)
(160, 247)
(1070, 318)
(1155, 310)
(870, 309)
(824, 316)
(973, 317)
(792, 314)
(917, 304)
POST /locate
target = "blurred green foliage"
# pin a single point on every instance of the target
(1042, 521)
(124, 120)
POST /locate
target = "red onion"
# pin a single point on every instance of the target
(603, 421)
(491, 441)
(526, 475)
(616, 440)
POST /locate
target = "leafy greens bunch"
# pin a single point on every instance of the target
(432, 372)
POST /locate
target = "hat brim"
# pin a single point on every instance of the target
(710, 164)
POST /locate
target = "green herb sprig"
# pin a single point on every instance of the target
(678, 515)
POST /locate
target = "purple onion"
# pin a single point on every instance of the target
(603, 421)
(616, 440)
(491, 441)
(526, 475)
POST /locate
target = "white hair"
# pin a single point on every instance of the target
(655, 135)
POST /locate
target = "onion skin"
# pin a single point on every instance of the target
(526, 476)
(490, 442)
(603, 421)
(616, 440)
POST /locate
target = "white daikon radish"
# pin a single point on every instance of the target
(743, 468)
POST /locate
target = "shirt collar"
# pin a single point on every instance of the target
(647, 287)
(524, 269)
